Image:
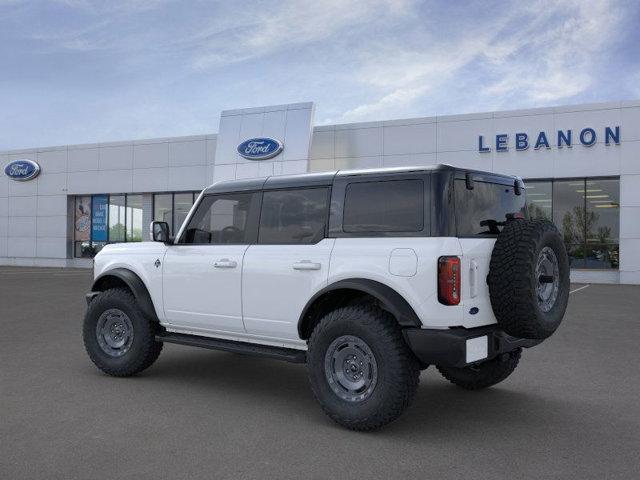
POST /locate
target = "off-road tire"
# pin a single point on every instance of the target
(512, 278)
(144, 349)
(486, 374)
(398, 371)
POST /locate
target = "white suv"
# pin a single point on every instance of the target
(367, 276)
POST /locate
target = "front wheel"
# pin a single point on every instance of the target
(483, 375)
(119, 339)
(361, 371)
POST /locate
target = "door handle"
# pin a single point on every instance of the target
(306, 265)
(225, 263)
(473, 278)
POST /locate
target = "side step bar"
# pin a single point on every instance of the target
(278, 353)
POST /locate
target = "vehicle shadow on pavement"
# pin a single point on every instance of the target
(440, 410)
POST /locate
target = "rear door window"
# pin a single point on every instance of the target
(384, 206)
(483, 210)
(294, 216)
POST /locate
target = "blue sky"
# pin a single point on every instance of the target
(77, 71)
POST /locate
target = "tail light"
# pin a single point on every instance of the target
(449, 280)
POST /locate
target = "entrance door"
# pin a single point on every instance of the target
(289, 263)
(202, 272)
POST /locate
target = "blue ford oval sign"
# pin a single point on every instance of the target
(22, 170)
(260, 148)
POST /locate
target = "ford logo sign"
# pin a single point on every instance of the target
(22, 170)
(260, 148)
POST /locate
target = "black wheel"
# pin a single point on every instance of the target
(117, 336)
(361, 371)
(483, 375)
(529, 278)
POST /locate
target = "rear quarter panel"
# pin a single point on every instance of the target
(370, 258)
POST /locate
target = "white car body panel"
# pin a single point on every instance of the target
(140, 258)
(202, 288)
(278, 281)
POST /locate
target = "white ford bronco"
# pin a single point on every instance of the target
(366, 276)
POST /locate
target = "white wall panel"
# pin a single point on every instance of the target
(22, 227)
(3, 247)
(412, 160)
(463, 135)
(51, 247)
(117, 157)
(581, 161)
(84, 182)
(248, 170)
(629, 222)
(150, 179)
(83, 159)
(228, 139)
(419, 138)
(273, 125)
(52, 226)
(322, 144)
(4, 227)
(51, 205)
(358, 162)
(22, 189)
(52, 183)
(630, 191)
(21, 246)
(188, 153)
(4, 206)
(630, 124)
(297, 135)
(22, 207)
(151, 155)
(187, 178)
(115, 181)
(358, 142)
(52, 161)
(630, 157)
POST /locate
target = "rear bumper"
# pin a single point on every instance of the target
(459, 347)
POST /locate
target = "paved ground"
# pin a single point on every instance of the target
(571, 410)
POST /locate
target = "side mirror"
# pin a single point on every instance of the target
(160, 232)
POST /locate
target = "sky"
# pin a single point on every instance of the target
(80, 71)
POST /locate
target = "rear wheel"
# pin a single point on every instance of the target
(119, 339)
(360, 369)
(483, 375)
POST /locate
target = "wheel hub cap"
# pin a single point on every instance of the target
(351, 368)
(114, 332)
(547, 279)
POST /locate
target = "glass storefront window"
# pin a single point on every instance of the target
(163, 208)
(134, 218)
(182, 203)
(173, 208)
(587, 213)
(117, 218)
(539, 199)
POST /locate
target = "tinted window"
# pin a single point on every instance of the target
(294, 216)
(389, 206)
(539, 199)
(483, 210)
(220, 219)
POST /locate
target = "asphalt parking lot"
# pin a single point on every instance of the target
(571, 409)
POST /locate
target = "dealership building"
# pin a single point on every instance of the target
(581, 165)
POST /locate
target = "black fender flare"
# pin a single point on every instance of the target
(135, 284)
(389, 299)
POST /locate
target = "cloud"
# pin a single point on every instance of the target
(541, 53)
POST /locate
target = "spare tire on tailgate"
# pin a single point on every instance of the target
(529, 278)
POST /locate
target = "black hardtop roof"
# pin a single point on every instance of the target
(327, 178)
